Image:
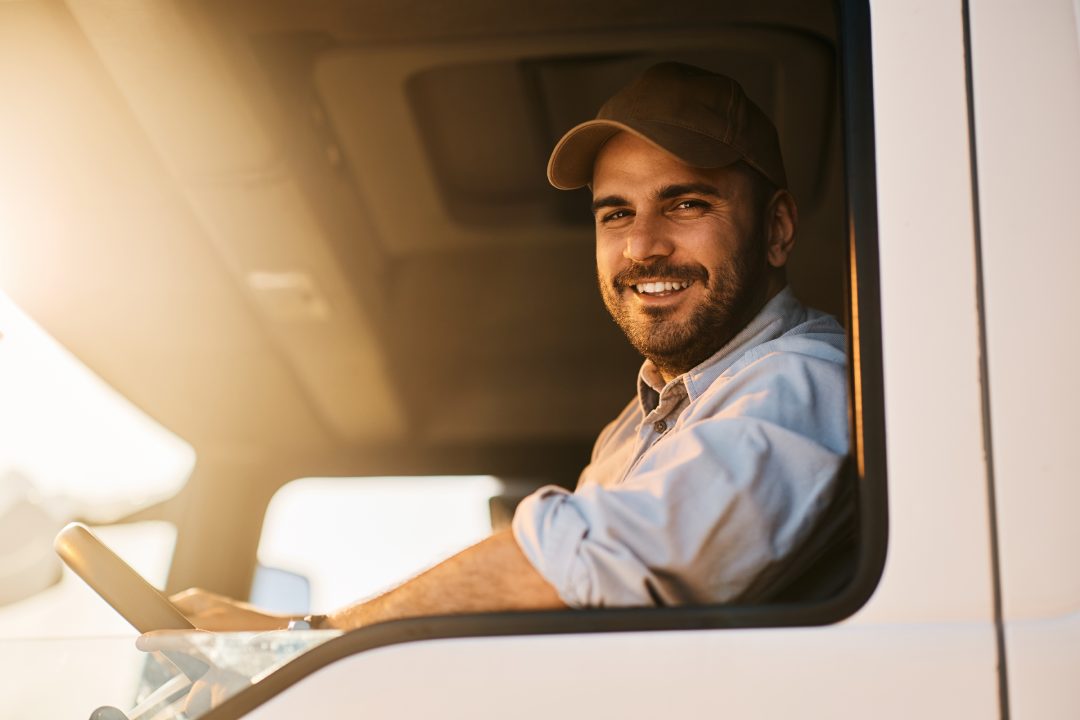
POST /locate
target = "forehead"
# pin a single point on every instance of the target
(631, 166)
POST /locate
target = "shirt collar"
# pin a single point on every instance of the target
(779, 315)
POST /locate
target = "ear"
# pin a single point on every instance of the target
(781, 223)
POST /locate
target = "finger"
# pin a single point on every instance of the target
(226, 687)
(211, 690)
(198, 700)
(180, 647)
(182, 640)
(193, 665)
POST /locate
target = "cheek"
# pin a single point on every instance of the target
(711, 247)
(609, 258)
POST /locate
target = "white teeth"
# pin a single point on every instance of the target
(653, 288)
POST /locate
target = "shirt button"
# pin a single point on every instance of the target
(660, 426)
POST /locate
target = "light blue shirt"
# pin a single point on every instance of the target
(701, 485)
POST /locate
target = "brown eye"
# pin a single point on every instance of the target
(616, 215)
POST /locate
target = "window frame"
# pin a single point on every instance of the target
(866, 469)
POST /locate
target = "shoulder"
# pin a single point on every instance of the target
(812, 345)
(797, 381)
(818, 337)
(812, 352)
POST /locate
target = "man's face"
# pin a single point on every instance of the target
(680, 251)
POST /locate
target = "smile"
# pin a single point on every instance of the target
(662, 287)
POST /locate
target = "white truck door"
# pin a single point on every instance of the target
(1026, 73)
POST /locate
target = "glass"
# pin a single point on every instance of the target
(115, 459)
(108, 678)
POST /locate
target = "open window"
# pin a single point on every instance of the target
(448, 175)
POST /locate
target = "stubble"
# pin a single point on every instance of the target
(732, 294)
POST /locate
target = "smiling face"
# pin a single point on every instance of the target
(685, 256)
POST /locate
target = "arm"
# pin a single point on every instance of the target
(732, 490)
(490, 576)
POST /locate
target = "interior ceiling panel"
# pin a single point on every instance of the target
(401, 273)
(190, 96)
(395, 21)
(447, 144)
(455, 156)
(100, 249)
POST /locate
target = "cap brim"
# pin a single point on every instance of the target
(571, 163)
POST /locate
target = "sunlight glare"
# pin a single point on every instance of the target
(85, 449)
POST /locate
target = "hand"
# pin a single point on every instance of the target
(210, 611)
(210, 684)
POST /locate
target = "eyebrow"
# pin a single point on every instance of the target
(673, 191)
(665, 193)
(608, 201)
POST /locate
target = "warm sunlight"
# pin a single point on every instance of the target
(83, 449)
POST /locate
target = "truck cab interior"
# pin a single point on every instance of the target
(367, 274)
(316, 239)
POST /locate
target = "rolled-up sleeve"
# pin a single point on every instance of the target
(549, 529)
(701, 514)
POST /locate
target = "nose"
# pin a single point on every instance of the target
(647, 239)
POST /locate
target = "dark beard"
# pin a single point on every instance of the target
(734, 294)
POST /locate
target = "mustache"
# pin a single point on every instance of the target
(637, 272)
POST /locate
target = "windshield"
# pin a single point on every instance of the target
(69, 439)
(72, 448)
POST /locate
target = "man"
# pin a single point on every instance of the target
(726, 459)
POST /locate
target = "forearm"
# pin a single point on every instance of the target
(492, 575)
